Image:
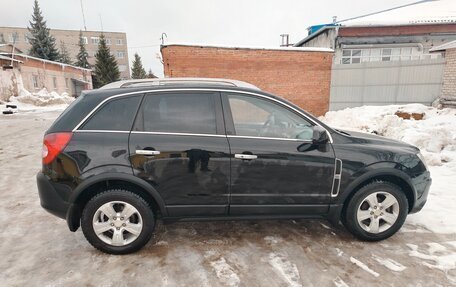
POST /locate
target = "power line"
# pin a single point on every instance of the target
(146, 46)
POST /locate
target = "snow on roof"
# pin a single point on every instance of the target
(421, 12)
(301, 49)
(443, 47)
(45, 61)
(9, 59)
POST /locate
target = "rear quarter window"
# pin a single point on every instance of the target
(178, 113)
(114, 115)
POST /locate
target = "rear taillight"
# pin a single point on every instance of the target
(53, 144)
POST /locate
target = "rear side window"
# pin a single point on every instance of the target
(178, 113)
(115, 115)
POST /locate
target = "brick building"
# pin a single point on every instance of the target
(301, 75)
(34, 74)
(448, 95)
(116, 41)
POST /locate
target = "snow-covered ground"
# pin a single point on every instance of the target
(38, 250)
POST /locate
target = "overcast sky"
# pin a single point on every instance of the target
(232, 22)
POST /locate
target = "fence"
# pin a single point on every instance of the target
(383, 83)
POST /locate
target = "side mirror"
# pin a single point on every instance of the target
(319, 136)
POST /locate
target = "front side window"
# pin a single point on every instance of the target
(257, 117)
(115, 115)
(178, 113)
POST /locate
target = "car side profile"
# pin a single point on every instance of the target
(121, 157)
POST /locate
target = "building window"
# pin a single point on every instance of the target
(108, 41)
(361, 55)
(95, 40)
(122, 68)
(66, 84)
(119, 42)
(54, 81)
(26, 37)
(14, 37)
(120, 54)
(35, 81)
(85, 41)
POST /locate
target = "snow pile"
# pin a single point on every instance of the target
(435, 134)
(41, 98)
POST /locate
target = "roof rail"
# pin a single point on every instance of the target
(178, 81)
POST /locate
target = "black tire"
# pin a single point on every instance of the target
(143, 208)
(350, 216)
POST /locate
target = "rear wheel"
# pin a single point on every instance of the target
(376, 211)
(117, 222)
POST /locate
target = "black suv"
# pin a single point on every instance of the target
(119, 158)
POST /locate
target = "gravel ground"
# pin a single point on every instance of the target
(37, 249)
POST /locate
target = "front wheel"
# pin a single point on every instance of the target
(376, 211)
(117, 222)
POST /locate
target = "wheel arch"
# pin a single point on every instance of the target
(96, 184)
(397, 177)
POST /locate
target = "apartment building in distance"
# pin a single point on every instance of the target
(116, 41)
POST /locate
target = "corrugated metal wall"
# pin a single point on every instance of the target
(383, 83)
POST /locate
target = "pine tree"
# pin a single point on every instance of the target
(81, 57)
(151, 75)
(105, 70)
(43, 44)
(64, 54)
(137, 71)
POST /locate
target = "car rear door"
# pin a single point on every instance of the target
(275, 168)
(178, 145)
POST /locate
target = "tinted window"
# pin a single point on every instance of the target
(258, 117)
(178, 113)
(117, 114)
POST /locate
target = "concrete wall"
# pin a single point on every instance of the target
(302, 77)
(385, 83)
(325, 40)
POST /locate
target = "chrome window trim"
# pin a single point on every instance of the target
(196, 90)
(179, 134)
(101, 131)
(268, 138)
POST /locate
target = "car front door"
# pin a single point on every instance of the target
(275, 168)
(178, 145)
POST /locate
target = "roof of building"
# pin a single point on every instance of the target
(43, 60)
(443, 47)
(72, 30)
(9, 59)
(300, 49)
(421, 12)
(416, 13)
(11, 46)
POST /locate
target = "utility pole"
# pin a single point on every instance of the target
(101, 22)
(83, 16)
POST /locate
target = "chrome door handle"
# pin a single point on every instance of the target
(245, 156)
(147, 152)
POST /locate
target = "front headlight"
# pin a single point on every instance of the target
(421, 157)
